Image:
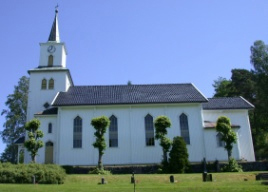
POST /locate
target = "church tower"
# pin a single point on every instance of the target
(51, 76)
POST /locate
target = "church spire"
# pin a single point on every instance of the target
(54, 33)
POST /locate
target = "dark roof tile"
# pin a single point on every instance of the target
(20, 140)
(50, 111)
(129, 94)
(227, 103)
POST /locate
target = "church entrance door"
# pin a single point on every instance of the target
(49, 152)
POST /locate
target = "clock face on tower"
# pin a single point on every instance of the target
(51, 49)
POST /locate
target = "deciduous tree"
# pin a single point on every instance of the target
(15, 119)
(33, 144)
(100, 124)
(223, 127)
(222, 87)
(259, 60)
(161, 124)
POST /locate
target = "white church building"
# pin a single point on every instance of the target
(65, 111)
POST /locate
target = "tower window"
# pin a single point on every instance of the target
(113, 132)
(51, 84)
(149, 130)
(44, 84)
(49, 128)
(184, 128)
(50, 60)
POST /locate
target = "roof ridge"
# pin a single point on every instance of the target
(158, 84)
(223, 97)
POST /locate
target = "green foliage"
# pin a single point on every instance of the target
(252, 85)
(243, 84)
(10, 154)
(33, 144)
(100, 124)
(23, 173)
(15, 117)
(222, 87)
(98, 171)
(259, 60)
(165, 143)
(161, 124)
(228, 135)
(232, 166)
(178, 156)
(259, 57)
(32, 125)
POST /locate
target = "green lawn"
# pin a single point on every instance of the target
(148, 183)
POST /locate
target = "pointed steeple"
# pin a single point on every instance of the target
(54, 33)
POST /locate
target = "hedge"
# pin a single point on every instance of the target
(27, 173)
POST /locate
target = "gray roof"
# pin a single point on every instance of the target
(212, 125)
(50, 111)
(227, 103)
(20, 140)
(129, 94)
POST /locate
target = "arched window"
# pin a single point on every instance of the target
(77, 133)
(184, 128)
(220, 143)
(49, 128)
(50, 60)
(113, 132)
(44, 84)
(149, 130)
(51, 84)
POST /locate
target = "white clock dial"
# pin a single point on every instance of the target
(51, 49)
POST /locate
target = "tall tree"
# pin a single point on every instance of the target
(243, 84)
(223, 127)
(15, 118)
(161, 124)
(259, 60)
(33, 144)
(100, 124)
(259, 57)
(222, 87)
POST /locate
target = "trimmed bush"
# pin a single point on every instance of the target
(44, 174)
(232, 166)
(100, 171)
(178, 161)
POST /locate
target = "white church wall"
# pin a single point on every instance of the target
(38, 97)
(52, 137)
(131, 148)
(193, 112)
(237, 117)
(214, 152)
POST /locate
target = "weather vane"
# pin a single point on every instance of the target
(56, 8)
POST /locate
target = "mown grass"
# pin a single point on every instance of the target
(222, 182)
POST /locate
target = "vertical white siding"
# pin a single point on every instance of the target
(244, 147)
(132, 147)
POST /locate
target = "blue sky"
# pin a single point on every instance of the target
(144, 41)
